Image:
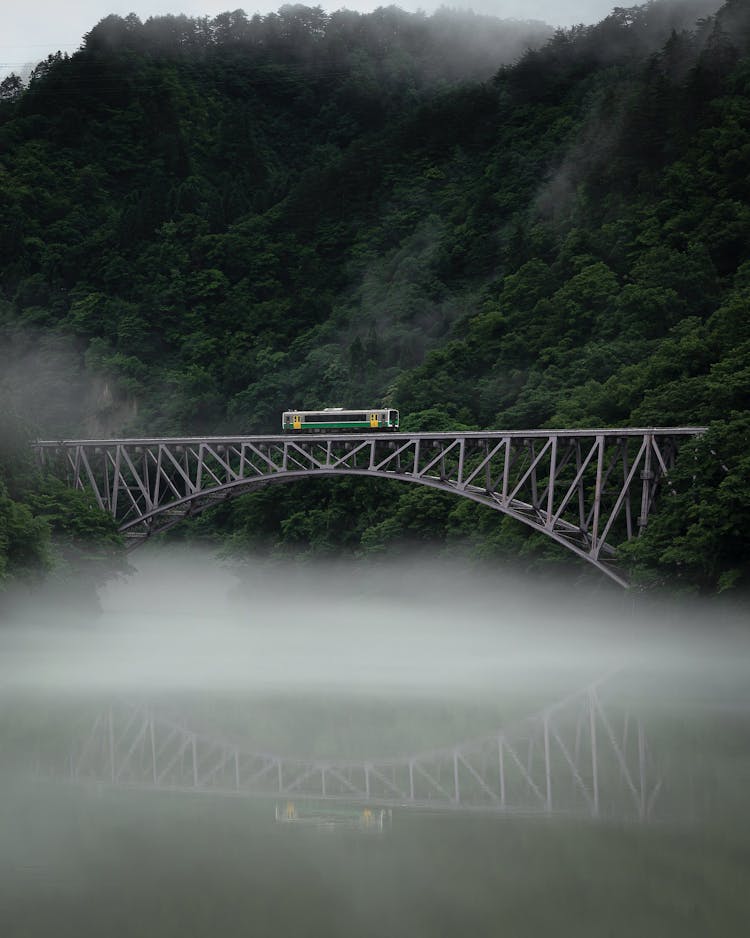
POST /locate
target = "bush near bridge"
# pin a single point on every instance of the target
(699, 536)
(49, 532)
(228, 217)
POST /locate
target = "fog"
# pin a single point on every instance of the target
(186, 620)
(188, 623)
(353, 664)
(185, 623)
(30, 34)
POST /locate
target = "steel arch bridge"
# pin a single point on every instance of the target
(581, 757)
(588, 490)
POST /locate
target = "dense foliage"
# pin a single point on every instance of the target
(48, 530)
(219, 219)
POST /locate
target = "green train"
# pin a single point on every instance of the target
(339, 418)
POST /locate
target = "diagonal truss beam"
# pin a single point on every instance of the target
(582, 488)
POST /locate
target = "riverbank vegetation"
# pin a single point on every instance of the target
(482, 223)
(50, 535)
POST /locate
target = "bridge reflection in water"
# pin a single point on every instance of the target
(580, 757)
(589, 490)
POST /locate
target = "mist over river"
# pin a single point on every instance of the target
(458, 753)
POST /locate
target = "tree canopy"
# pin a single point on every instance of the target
(482, 223)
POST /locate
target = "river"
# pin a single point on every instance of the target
(346, 669)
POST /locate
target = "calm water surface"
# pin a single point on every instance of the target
(315, 666)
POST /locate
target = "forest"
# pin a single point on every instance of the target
(484, 223)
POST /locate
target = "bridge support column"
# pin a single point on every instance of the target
(647, 477)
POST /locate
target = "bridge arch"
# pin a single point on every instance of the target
(191, 505)
(587, 490)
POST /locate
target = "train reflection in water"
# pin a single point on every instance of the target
(338, 817)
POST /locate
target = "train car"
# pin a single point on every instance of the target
(339, 418)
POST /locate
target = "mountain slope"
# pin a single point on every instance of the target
(229, 218)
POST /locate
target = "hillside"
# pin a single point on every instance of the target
(205, 222)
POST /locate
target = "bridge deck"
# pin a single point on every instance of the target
(399, 435)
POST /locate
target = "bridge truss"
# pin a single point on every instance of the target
(589, 490)
(579, 757)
